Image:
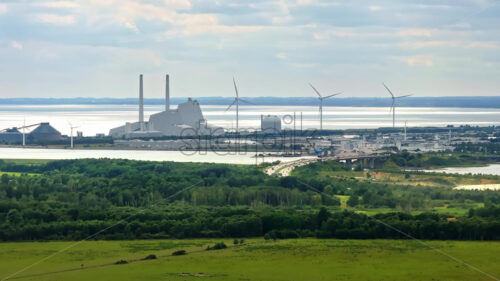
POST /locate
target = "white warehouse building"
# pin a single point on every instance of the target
(270, 124)
(186, 120)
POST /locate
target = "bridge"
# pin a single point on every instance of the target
(370, 161)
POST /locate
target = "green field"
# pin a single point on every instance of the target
(257, 259)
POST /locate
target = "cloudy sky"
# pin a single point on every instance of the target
(97, 48)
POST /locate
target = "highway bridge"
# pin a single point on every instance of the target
(370, 161)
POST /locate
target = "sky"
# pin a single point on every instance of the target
(98, 48)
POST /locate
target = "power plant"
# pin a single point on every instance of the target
(186, 120)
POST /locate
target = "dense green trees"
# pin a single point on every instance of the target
(412, 160)
(72, 199)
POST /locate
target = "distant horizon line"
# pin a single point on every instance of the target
(231, 97)
(446, 102)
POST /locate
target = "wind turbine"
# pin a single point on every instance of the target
(321, 98)
(237, 101)
(71, 135)
(24, 134)
(393, 106)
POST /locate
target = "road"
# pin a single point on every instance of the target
(284, 169)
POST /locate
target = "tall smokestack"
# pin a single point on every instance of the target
(167, 93)
(141, 104)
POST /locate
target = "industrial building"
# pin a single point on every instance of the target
(270, 124)
(11, 135)
(186, 120)
(43, 132)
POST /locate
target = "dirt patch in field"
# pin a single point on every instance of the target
(184, 274)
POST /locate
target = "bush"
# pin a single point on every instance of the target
(281, 234)
(150, 257)
(121, 262)
(217, 246)
(179, 253)
(353, 201)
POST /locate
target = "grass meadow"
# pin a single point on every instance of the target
(256, 259)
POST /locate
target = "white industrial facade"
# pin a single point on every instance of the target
(186, 120)
(270, 124)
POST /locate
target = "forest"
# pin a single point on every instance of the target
(75, 199)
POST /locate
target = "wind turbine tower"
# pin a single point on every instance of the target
(406, 122)
(321, 98)
(393, 106)
(237, 101)
(71, 134)
(24, 133)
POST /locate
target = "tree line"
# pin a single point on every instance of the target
(71, 199)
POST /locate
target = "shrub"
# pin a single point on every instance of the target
(217, 246)
(281, 234)
(150, 257)
(179, 253)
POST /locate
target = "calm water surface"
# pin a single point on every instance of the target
(144, 155)
(488, 170)
(93, 119)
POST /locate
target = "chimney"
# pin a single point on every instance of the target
(141, 104)
(167, 93)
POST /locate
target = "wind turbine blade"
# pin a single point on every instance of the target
(332, 95)
(315, 90)
(235, 88)
(246, 101)
(229, 107)
(403, 96)
(392, 95)
(392, 106)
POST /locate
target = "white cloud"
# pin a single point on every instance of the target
(304, 2)
(415, 33)
(426, 44)
(56, 19)
(325, 35)
(375, 8)
(420, 60)
(483, 44)
(317, 3)
(16, 45)
(281, 56)
(178, 4)
(3, 8)
(126, 12)
(60, 4)
(283, 16)
(281, 20)
(283, 6)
